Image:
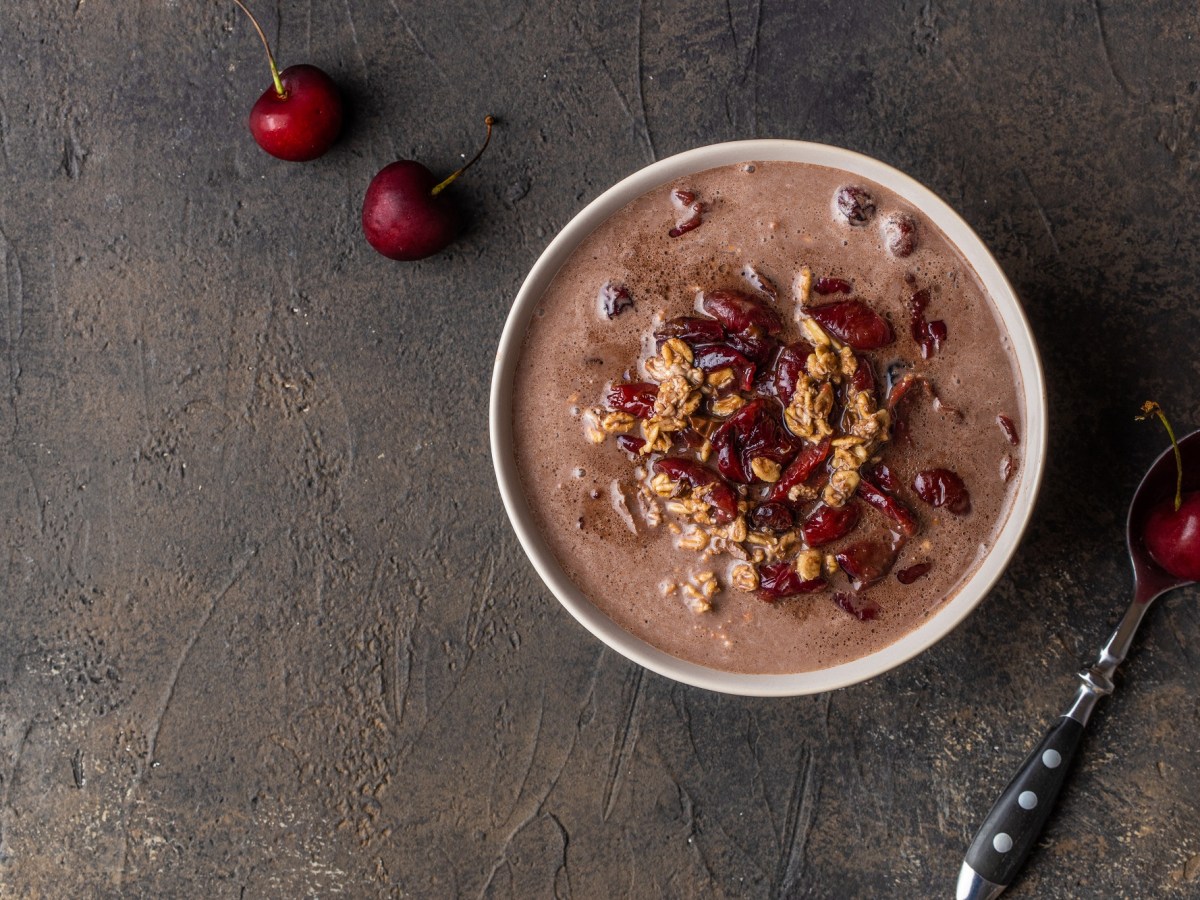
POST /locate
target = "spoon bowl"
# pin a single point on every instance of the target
(1150, 580)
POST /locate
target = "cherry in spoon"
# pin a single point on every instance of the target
(300, 116)
(1173, 536)
(1172, 528)
(1162, 544)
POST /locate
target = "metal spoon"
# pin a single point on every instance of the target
(1014, 823)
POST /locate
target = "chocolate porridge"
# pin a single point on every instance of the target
(766, 418)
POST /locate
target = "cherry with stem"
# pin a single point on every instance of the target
(406, 215)
(300, 116)
(1172, 527)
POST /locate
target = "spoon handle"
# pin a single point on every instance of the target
(1012, 826)
(1014, 823)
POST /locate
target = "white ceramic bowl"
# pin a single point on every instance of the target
(1032, 448)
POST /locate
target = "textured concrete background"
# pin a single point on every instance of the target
(264, 630)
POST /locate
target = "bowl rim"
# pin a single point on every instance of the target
(1004, 301)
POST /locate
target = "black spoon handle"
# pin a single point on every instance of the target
(1012, 827)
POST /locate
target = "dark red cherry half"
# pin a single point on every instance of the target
(740, 312)
(853, 322)
(941, 487)
(779, 580)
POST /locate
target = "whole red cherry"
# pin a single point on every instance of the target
(1172, 527)
(300, 116)
(1173, 536)
(303, 121)
(404, 214)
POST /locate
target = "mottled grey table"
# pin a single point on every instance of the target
(264, 630)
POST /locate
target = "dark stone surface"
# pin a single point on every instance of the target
(265, 630)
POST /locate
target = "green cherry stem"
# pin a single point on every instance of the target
(489, 122)
(270, 57)
(1150, 408)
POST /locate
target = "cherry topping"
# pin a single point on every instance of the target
(912, 573)
(636, 399)
(688, 439)
(1009, 429)
(798, 472)
(825, 286)
(855, 323)
(761, 434)
(941, 487)
(929, 335)
(740, 312)
(690, 210)
(614, 299)
(866, 561)
(772, 517)
(900, 234)
(631, 444)
(788, 366)
(829, 523)
(758, 348)
(855, 204)
(711, 357)
(889, 506)
(862, 608)
(687, 471)
(727, 450)
(724, 502)
(698, 477)
(693, 330)
(753, 431)
(863, 378)
(778, 580)
(885, 478)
